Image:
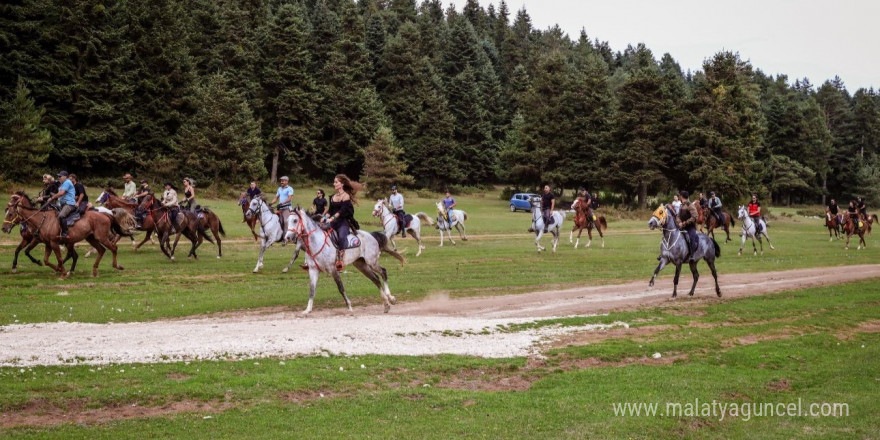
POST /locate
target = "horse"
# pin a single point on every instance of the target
(584, 218)
(832, 222)
(321, 256)
(457, 218)
(538, 226)
(391, 227)
(850, 228)
(28, 240)
(94, 227)
(674, 249)
(251, 221)
(109, 199)
(271, 230)
(209, 221)
(712, 222)
(748, 231)
(187, 225)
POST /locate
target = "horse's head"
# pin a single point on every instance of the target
(296, 224)
(11, 218)
(441, 208)
(658, 218)
(103, 197)
(379, 207)
(742, 213)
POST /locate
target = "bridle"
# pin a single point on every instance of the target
(667, 241)
(380, 210)
(303, 234)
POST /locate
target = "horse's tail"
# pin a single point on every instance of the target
(122, 223)
(603, 222)
(717, 248)
(732, 220)
(425, 218)
(382, 239)
(220, 228)
(464, 214)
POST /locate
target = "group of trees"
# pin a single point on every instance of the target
(231, 90)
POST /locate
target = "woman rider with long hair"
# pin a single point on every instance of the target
(341, 214)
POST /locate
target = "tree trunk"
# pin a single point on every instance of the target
(276, 153)
(643, 195)
(824, 188)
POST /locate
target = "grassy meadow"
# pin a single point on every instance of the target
(817, 345)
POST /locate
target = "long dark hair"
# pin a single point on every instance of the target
(349, 186)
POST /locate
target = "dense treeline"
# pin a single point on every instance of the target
(229, 90)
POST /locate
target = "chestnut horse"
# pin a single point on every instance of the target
(187, 223)
(851, 228)
(832, 222)
(112, 201)
(28, 241)
(94, 227)
(711, 222)
(584, 218)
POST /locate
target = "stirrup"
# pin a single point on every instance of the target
(340, 264)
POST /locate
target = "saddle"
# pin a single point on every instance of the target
(72, 218)
(407, 219)
(351, 242)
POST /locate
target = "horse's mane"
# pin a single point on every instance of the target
(110, 191)
(24, 195)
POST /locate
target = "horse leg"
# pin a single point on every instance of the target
(571, 236)
(601, 235)
(696, 275)
(215, 231)
(589, 236)
(441, 237)
(755, 249)
(660, 267)
(580, 231)
(415, 233)
(711, 263)
(727, 231)
(313, 285)
(100, 248)
(391, 239)
(176, 240)
(741, 245)
(538, 234)
(675, 280)
(768, 241)
(555, 233)
(462, 232)
(111, 246)
(56, 249)
(147, 236)
(341, 287)
(263, 246)
(368, 272)
(292, 259)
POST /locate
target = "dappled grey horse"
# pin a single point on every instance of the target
(538, 226)
(674, 249)
(748, 231)
(458, 218)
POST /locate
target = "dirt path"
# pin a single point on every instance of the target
(468, 326)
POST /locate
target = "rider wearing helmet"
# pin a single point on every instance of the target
(396, 202)
(755, 212)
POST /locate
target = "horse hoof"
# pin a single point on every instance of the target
(690, 293)
(718, 292)
(282, 270)
(387, 307)
(95, 274)
(392, 299)
(306, 312)
(14, 270)
(218, 257)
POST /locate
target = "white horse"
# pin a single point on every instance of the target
(391, 227)
(321, 256)
(538, 227)
(271, 231)
(457, 218)
(748, 231)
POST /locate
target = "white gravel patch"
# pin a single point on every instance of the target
(277, 335)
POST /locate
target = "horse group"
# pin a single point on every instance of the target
(843, 225)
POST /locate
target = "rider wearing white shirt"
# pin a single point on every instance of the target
(396, 201)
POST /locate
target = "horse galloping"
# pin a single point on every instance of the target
(833, 223)
(749, 231)
(456, 219)
(584, 218)
(187, 225)
(209, 221)
(321, 256)
(557, 218)
(109, 199)
(28, 241)
(674, 249)
(93, 226)
(712, 222)
(851, 228)
(391, 227)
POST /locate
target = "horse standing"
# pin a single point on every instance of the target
(538, 226)
(321, 256)
(28, 241)
(94, 227)
(584, 218)
(187, 225)
(748, 231)
(457, 218)
(674, 249)
(832, 222)
(392, 228)
(851, 228)
(712, 222)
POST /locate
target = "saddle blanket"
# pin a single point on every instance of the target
(353, 241)
(72, 218)
(103, 210)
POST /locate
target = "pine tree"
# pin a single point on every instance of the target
(382, 164)
(221, 142)
(24, 142)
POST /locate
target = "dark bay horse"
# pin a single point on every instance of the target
(712, 223)
(674, 249)
(28, 241)
(94, 227)
(584, 218)
(187, 225)
(209, 221)
(252, 220)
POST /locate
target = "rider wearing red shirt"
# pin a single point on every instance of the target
(755, 212)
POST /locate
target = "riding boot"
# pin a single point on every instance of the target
(63, 223)
(340, 256)
(402, 230)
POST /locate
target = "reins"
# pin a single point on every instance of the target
(304, 235)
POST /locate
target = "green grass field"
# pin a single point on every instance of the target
(817, 345)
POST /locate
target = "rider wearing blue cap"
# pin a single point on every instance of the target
(67, 196)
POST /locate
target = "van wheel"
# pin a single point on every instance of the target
(512, 208)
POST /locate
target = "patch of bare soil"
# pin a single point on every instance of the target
(592, 362)
(42, 413)
(593, 336)
(305, 396)
(779, 385)
(785, 333)
(865, 327)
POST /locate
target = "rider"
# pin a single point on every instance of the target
(594, 201)
(676, 204)
(448, 203)
(169, 200)
(548, 203)
(341, 217)
(67, 195)
(584, 199)
(702, 201)
(755, 212)
(139, 213)
(853, 212)
(82, 199)
(129, 188)
(834, 210)
(50, 188)
(715, 207)
(189, 194)
(396, 201)
(284, 196)
(319, 204)
(860, 204)
(687, 217)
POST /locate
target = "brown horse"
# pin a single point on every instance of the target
(28, 241)
(851, 228)
(585, 219)
(208, 220)
(187, 224)
(94, 227)
(252, 221)
(832, 222)
(712, 222)
(112, 201)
